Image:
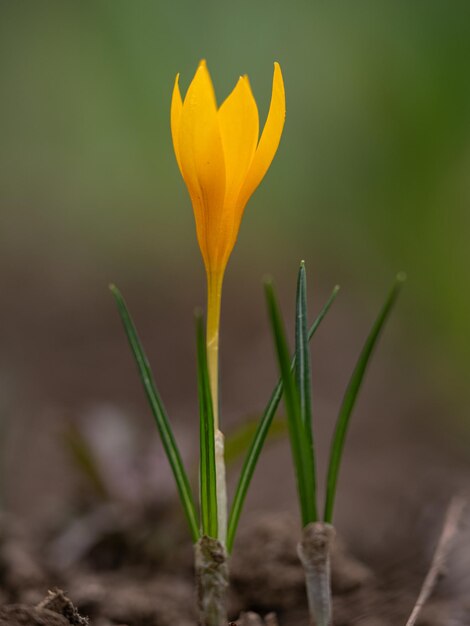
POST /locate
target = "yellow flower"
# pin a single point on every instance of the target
(222, 161)
(220, 158)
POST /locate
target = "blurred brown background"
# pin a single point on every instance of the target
(372, 177)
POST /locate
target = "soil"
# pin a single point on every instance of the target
(54, 610)
(115, 580)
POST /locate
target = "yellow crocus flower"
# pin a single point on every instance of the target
(222, 160)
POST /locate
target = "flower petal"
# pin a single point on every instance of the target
(175, 116)
(239, 128)
(269, 141)
(202, 163)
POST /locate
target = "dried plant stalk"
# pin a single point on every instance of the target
(449, 531)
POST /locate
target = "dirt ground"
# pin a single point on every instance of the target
(135, 571)
(111, 533)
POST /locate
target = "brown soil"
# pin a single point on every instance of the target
(21, 615)
(130, 589)
(55, 610)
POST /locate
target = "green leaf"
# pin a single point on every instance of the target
(259, 438)
(303, 377)
(207, 466)
(350, 397)
(238, 440)
(301, 450)
(83, 456)
(159, 413)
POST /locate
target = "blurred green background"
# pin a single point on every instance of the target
(372, 175)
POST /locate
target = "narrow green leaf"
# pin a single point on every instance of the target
(259, 438)
(237, 441)
(301, 451)
(84, 458)
(321, 315)
(169, 444)
(207, 467)
(303, 377)
(350, 397)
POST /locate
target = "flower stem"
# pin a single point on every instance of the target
(212, 581)
(314, 553)
(214, 294)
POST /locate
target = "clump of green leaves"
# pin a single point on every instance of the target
(298, 401)
(204, 521)
(317, 533)
(295, 383)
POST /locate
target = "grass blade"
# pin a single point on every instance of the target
(207, 468)
(301, 451)
(238, 440)
(303, 377)
(84, 458)
(350, 397)
(260, 435)
(159, 413)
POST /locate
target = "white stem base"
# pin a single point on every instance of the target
(221, 487)
(314, 552)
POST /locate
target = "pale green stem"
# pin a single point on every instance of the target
(214, 294)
